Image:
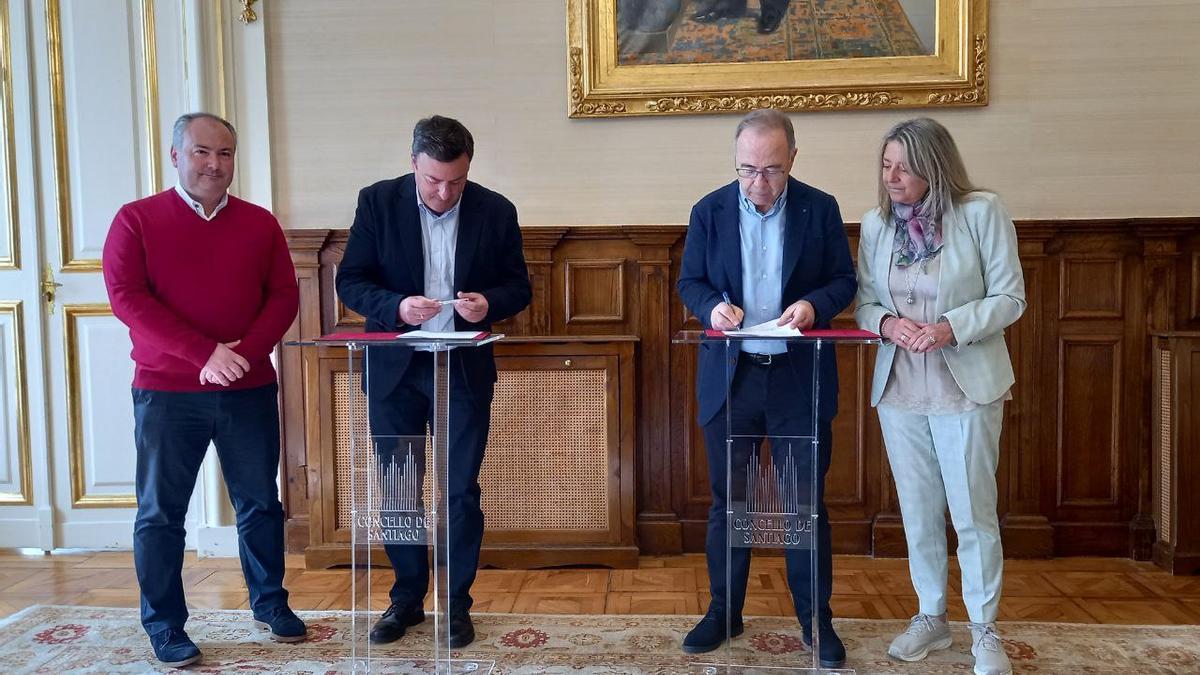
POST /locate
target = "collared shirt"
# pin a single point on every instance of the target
(197, 206)
(439, 241)
(762, 268)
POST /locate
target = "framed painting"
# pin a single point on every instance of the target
(672, 57)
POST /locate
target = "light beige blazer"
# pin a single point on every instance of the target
(981, 291)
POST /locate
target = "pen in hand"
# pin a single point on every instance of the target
(725, 297)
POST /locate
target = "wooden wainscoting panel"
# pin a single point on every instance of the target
(1075, 469)
(1023, 478)
(1092, 287)
(847, 486)
(594, 291)
(1089, 395)
(1194, 287)
(591, 293)
(335, 316)
(691, 491)
(346, 317)
(305, 249)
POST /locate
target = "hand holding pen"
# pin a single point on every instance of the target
(726, 315)
(417, 309)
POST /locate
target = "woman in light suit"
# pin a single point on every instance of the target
(939, 278)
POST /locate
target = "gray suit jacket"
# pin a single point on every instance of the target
(981, 291)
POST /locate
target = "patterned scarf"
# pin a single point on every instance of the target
(918, 239)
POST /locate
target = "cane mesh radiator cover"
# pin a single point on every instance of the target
(546, 466)
(1164, 446)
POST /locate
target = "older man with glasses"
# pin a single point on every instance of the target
(765, 247)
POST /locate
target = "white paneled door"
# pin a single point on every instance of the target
(102, 149)
(26, 518)
(88, 93)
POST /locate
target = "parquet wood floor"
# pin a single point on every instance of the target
(1080, 590)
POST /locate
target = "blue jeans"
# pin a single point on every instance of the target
(172, 431)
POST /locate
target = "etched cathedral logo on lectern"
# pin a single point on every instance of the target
(395, 509)
(771, 506)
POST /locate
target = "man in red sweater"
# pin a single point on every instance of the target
(206, 285)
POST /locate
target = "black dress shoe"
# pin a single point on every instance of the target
(391, 626)
(833, 652)
(462, 631)
(721, 9)
(710, 633)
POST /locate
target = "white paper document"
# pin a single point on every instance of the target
(435, 335)
(765, 329)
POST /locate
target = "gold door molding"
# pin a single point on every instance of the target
(8, 160)
(79, 496)
(150, 81)
(62, 168)
(21, 391)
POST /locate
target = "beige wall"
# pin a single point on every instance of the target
(1095, 113)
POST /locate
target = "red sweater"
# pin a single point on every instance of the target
(183, 284)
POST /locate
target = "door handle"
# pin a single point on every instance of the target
(49, 287)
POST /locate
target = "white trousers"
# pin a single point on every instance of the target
(940, 461)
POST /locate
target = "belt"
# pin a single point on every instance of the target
(764, 359)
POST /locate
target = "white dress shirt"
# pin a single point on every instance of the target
(197, 206)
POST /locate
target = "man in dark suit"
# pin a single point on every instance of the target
(777, 248)
(427, 236)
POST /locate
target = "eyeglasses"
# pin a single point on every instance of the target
(753, 172)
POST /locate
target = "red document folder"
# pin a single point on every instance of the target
(380, 337)
(824, 333)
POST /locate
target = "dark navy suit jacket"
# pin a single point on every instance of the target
(384, 263)
(816, 267)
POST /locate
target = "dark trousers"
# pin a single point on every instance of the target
(764, 404)
(172, 431)
(405, 412)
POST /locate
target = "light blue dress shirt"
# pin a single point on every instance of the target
(762, 268)
(439, 241)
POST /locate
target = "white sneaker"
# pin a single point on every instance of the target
(990, 658)
(925, 634)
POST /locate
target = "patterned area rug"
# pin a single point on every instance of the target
(44, 639)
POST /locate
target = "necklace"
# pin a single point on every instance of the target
(910, 279)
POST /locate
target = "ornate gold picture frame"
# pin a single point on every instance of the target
(606, 78)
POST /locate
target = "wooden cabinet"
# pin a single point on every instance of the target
(557, 476)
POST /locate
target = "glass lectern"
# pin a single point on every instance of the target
(398, 492)
(773, 488)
